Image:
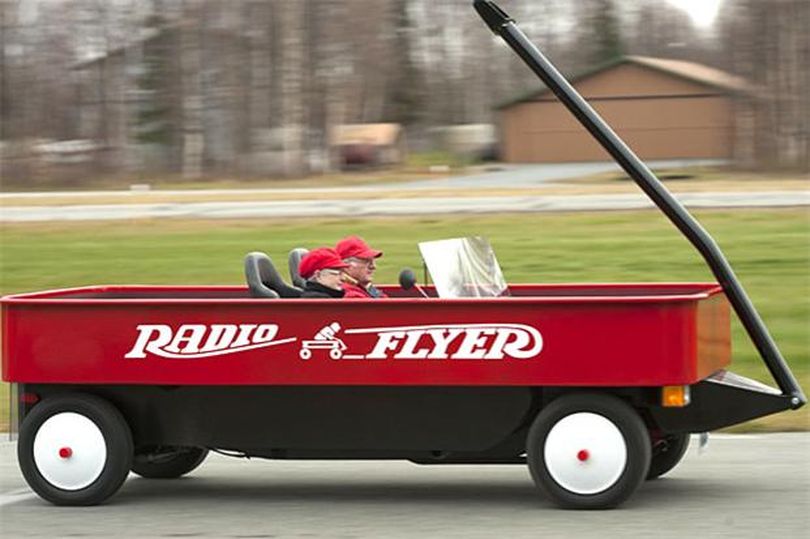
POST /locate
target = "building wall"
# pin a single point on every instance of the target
(659, 116)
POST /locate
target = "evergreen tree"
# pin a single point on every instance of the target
(153, 123)
(406, 86)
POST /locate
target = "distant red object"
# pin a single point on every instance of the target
(359, 154)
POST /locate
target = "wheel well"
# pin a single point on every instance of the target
(640, 398)
(44, 392)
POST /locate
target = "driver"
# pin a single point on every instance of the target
(361, 263)
(322, 268)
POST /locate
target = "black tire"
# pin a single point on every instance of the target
(117, 440)
(667, 453)
(168, 462)
(632, 432)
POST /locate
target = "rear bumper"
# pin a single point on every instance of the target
(721, 400)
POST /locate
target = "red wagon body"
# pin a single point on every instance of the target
(544, 335)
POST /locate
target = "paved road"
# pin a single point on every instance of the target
(503, 176)
(511, 176)
(741, 486)
(366, 200)
(368, 206)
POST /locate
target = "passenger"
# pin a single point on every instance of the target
(322, 270)
(358, 275)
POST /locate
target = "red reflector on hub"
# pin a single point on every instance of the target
(29, 398)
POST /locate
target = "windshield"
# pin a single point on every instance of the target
(463, 268)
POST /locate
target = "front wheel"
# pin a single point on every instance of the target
(75, 449)
(167, 462)
(588, 451)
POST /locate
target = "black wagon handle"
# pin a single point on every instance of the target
(503, 25)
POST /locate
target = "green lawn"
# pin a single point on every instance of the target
(769, 249)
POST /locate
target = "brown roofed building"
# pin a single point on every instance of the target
(663, 109)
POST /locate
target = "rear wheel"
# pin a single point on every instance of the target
(588, 451)
(167, 462)
(74, 449)
(667, 452)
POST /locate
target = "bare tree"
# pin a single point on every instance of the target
(291, 20)
(769, 45)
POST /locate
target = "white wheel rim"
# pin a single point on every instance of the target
(585, 453)
(69, 451)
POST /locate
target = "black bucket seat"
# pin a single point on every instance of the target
(264, 280)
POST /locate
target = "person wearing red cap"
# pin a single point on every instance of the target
(322, 268)
(361, 261)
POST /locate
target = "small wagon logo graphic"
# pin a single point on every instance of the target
(325, 339)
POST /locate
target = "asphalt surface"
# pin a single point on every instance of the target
(511, 176)
(370, 200)
(740, 486)
(500, 175)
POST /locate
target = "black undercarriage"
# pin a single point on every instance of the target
(424, 424)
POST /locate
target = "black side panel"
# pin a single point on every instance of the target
(382, 419)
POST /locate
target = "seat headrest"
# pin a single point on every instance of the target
(294, 261)
(264, 280)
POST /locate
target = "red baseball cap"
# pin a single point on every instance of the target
(355, 247)
(318, 259)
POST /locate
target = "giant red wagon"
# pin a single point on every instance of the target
(596, 386)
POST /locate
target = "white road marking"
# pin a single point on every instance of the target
(16, 496)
